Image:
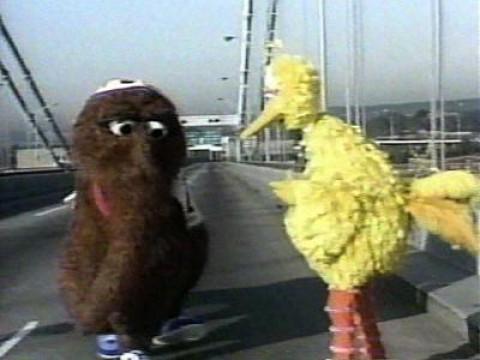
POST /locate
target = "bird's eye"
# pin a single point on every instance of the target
(121, 128)
(156, 129)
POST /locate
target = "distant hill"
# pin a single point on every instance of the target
(411, 108)
(385, 119)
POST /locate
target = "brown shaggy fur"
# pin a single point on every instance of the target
(129, 271)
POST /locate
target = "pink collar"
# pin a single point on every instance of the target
(101, 200)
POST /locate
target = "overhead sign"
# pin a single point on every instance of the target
(210, 120)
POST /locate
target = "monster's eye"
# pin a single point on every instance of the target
(121, 128)
(156, 129)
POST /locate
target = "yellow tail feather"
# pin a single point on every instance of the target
(456, 184)
(451, 220)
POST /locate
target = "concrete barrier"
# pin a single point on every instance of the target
(27, 191)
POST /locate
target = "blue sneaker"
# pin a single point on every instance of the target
(179, 330)
(108, 346)
(134, 355)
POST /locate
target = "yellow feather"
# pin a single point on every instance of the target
(448, 184)
(452, 220)
(285, 190)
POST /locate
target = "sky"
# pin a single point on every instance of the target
(72, 47)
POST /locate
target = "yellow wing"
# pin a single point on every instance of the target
(320, 222)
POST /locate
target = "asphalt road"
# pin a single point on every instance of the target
(261, 300)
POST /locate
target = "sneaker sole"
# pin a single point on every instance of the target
(189, 333)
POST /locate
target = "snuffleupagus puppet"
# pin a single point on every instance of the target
(131, 258)
(349, 213)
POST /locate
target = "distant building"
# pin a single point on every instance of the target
(29, 158)
(207, 136)
(189, 121)
(205, 153)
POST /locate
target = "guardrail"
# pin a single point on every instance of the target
(10, 172)
(259, 175)
(23, 191)
(408, 170)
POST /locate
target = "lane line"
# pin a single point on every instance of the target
(19, 336)
(46, 212)
(191, 178)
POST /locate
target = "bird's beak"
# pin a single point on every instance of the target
(270, 114)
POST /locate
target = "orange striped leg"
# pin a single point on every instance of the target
(368, 333)
(341, 308)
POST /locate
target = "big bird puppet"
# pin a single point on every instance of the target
(349, 214)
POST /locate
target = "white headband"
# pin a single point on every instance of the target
(118, 84)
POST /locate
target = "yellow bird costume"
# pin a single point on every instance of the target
(349, 214)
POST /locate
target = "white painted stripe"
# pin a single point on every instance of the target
(192, 177)
(19, 336)
(70, 197)
(46, 212)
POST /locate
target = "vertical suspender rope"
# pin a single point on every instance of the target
(246, 42)
(356, 98)
(441, 99)
(361, 64)
(357, 59)
(434, 79)
(349, 72)
(268, 48)
(322, 56)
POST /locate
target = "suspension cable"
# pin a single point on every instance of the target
(31, 117)
(33, 85)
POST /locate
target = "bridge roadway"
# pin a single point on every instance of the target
(261, 300)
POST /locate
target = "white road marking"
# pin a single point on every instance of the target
(46, 212)
(70, 197)
(193, 176)
(19, 336)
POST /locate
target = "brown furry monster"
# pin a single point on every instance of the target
(131, 258)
